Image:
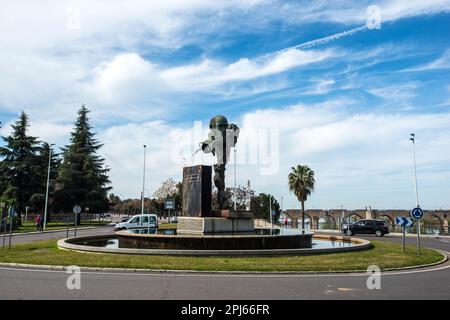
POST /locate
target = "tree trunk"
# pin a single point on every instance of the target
(303, 216)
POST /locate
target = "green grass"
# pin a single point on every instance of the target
(383, 254)
(31, 226)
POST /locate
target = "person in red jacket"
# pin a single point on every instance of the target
(38, 222)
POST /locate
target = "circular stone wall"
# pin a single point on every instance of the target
(214, 242)
(84, 244)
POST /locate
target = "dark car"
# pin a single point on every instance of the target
(377, 227)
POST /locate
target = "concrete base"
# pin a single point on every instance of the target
(214, 225)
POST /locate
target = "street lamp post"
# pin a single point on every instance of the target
(48, 182)
(235, 190)
(413, 140)
(143, 181)
(270, 214)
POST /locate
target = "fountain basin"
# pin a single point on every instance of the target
(111, 244)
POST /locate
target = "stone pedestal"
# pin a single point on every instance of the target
(197, 191)
(234, 223)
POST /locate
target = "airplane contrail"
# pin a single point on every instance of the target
(326, 39)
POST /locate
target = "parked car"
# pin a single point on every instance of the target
(377, 227)
(138, 221)
(125, 218)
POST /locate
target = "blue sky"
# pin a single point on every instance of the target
(345, 104)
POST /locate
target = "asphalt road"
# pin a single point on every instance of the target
(34, 236)
(429, 283)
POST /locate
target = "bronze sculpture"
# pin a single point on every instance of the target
(222, 137)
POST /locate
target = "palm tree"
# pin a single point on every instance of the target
(301, 183)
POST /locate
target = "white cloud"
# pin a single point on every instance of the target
(400, 91)
(366, 154)
(354, 12)
(209, 73)
(359, 159)
(443, 62)
(320, 86)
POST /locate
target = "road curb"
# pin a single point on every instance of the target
(170, 271)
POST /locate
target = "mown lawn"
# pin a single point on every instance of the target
(383, 254)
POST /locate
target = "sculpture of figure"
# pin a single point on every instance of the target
(221, 139)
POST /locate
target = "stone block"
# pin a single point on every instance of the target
(214, 225)
(197, 187)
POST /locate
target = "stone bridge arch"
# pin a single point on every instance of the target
(356, 214)
(441, 222)
(390, 219)
(441, 216)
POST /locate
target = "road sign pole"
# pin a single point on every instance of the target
(413, 139)
(403, 239)
(404, 222)
(4, 231)
(418, 236)
(11, 216)
(26, 216)
(75, 232)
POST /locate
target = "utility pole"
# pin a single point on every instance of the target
(413, 139)
(48, 183)
(235, 190)
(270, 213)
(143, 181)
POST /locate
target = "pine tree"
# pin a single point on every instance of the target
(82, 177)
(19, 170)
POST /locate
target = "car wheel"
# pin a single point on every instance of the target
(349, 233)
(378, 233)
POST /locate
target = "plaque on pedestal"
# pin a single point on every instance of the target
(197, 191)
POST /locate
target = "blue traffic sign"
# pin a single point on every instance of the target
(404, 221)
(11, 212)
(417, 213)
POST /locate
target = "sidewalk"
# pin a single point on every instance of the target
(395, 234)
(56, 230)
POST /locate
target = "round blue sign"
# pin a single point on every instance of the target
(417, 213)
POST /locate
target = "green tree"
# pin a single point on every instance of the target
(19, 170)
(260, 206)
(301, 183)
(169, 189)
(82, 176)
(242, 194)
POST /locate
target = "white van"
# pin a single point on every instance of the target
(138, 221)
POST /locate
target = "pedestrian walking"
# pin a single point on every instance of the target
(41, 223)
(38, 222)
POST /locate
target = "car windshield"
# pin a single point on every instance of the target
(134, 220)
(152, 219)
